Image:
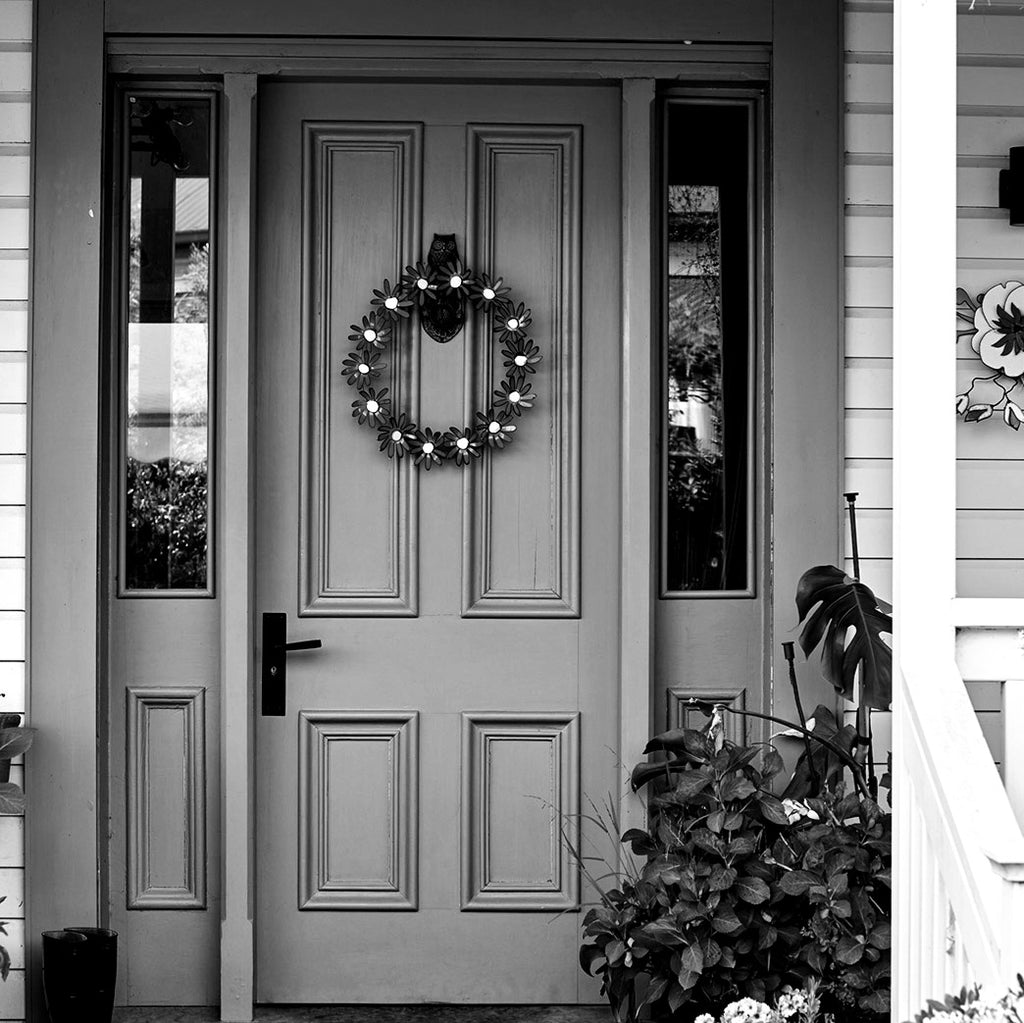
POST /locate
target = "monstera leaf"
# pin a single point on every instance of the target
(848, 621)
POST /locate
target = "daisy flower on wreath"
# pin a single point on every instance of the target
(513, 397)
(486, 293)
(371, 405)
(455, 277)
(396, 434)
(419, 281)
(427, 447)
(513, 322)
(371, 334)
(521, 355)
(497, 429)
(362, 367)
(463, 444)
(391, 301)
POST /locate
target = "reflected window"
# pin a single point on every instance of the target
(166, 314)
(708, 331)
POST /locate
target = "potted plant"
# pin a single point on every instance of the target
(14, 740)
(748, 881)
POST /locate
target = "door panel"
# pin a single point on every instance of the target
(465, 701)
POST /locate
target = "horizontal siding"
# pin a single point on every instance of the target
(990, 561)
(15, 112)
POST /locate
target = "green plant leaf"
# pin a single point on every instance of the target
(590, 954)
(15, 741)
(680, 740)
(772, 808)
(692, 958)
(849, 949)
(12, 799)
(614, 952)
(752, 890)
(726, 921)
(644, 773)
(721, 879)
(677, 997)
(735, 786)
(798, 882)
(830, 604)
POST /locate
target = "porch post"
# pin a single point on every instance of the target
(237, 532)
(924, 367)
(637, 609)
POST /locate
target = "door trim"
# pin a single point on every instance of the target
(65, 632)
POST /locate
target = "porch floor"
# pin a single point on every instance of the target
(375, 1014)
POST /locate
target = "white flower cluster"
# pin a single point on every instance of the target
(791, 1003)
(749, 1010)
(795, 810)
(791, 1006)
(1007, 1009)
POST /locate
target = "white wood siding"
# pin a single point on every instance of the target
(990, 521)
(990, 515)
(15, 108)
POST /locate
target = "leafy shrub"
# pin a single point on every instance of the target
(742, 893)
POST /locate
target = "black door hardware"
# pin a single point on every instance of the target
(275, 649)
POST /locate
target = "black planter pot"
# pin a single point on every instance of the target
(79, 970)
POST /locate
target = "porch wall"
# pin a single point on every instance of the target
(990, 515)
(15, 96)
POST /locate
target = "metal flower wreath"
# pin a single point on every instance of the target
(446, 287)
(997, 336)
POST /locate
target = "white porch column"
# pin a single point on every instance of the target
(924, 423)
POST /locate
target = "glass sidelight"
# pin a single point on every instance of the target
(708, 331)
(165, 314)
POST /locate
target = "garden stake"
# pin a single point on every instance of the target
(865, 740)
(787, 652)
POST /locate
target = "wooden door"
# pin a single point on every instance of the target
(465, 701)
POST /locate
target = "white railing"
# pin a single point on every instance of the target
(958, 849)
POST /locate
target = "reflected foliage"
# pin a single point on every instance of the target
(166, 512)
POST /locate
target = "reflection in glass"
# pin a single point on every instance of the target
(167, 358)
(707, 350)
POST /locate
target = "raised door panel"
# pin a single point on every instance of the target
(520, 807)
(522, 522)
(361, 211)
(358, 810)
(166, 805)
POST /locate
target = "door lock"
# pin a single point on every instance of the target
(275, 650)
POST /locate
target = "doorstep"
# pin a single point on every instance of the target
(376, 1014)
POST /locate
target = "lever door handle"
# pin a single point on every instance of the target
(275, 649)
(304, 644)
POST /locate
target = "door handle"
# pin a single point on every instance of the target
(275, 650)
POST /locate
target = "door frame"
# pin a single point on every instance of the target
(65, 843)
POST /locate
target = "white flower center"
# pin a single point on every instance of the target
(514, 397)
(391, 302)
(422, 283)
(396, 435)
(520, 360)
(363, 368)
(488, 293)
(494, 426)
(372, 406)
(462, 443)
(513, 323)
(428, 448)
(369, 335)
(455, 281)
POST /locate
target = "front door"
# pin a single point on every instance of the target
(412, 799)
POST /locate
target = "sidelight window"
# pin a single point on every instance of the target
(165, 249)
(708, 331)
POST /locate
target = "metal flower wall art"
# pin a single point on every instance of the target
(996, 331)
(450, 286)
